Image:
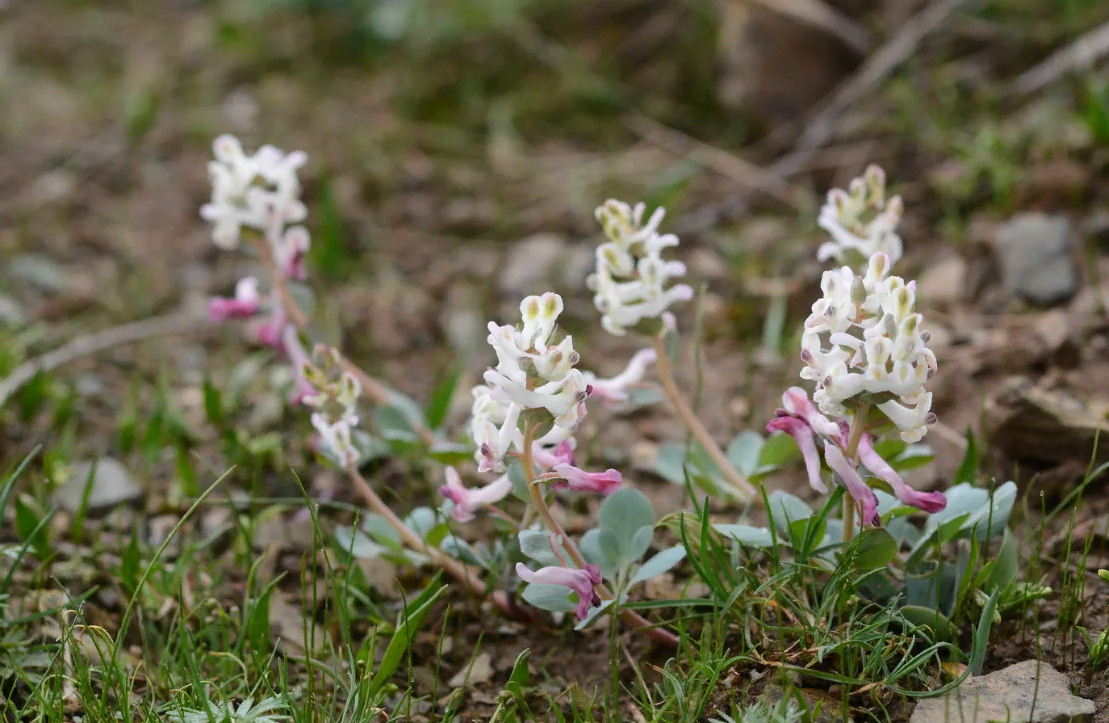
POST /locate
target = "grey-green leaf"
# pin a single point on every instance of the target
(625, 512)
(743, 451)
(758, 537)
(660, 563)
(357, 543)
(639, 544)
(590, 547)
(554, 598)
(422, 521)
(670, 462)
(786, 509)
(611, 549)
(536, 544)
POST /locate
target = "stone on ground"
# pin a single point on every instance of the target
(1037, 258)
(1028, 692)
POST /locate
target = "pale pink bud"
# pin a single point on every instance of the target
(571, 477)
(927, 501)
(581, 582)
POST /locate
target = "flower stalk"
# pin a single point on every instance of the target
(858, 426)
(864, 348)
(738, 485)
(630, 617)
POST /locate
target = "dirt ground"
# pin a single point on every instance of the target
(437, 155)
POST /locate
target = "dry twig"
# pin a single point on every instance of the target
(94, 343)
(877, 67)
(724, 163)
(1080, 54)
(824, 17)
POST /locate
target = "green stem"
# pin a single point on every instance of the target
(630, 617)
(855, 435)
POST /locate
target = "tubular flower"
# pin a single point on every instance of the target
(615, 390)
(803, 434)
(570, 477)
(632, 284)
(467, 501)
(333, 395)
(251, 190)
(581, 582)
(864, 337)
(865, 499)
(927, 501)
(244, 305)
(861, 221)
(533, 372)
(800, 419)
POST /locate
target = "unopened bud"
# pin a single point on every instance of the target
(529, 308)
(931, 418)
(858, 290)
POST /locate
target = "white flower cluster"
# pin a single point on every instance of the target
(630, 282)
(864, 337)
(531, 373)
(336, 415)
(861, 220)
(260, 192)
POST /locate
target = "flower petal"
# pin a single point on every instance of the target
(581, 481)
(803, 434)
(581, 582)
(927, 501)
(467, 501)
(865, 499)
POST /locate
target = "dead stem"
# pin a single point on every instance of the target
(374, 389)
(447, 563)
(630, 617)
(740, 487)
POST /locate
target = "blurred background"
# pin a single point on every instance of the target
(457, 149)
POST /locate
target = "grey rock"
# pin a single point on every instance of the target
(480, 671)
(1037, 257)
(92, 385)
(575, 266)
(1009, 694)
(544, 262)
(830, 709)
(944, 282)
(111, 485)
(39, 271)
(461, 320)
(11, 312)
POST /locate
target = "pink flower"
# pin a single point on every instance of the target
(291, 251)
(796, 403)
(301, 390)
(800, 419)
(927, 501)
(562, 454)
(570, 477)
(242, 306)
(615, 390)
(865, 499)
(580, 581)
(466, 501)
(272, 332)
(806, 440)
